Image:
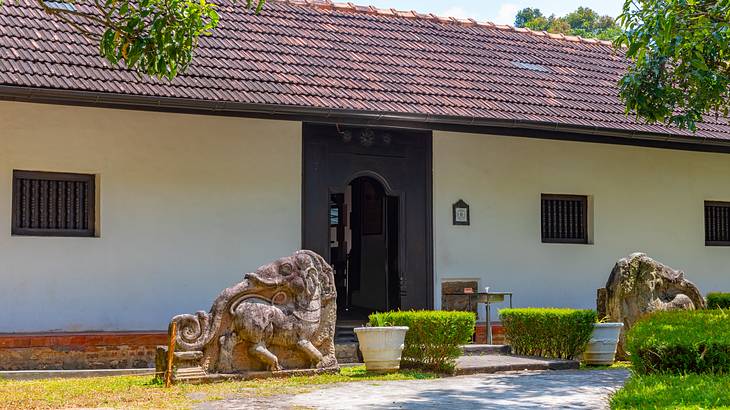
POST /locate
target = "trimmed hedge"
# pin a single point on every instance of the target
(548, 332)
(717, 300)
(434, 338)
(681, 342)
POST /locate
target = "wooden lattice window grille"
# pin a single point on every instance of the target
(564, 218)
(53, 204)
(717, 223)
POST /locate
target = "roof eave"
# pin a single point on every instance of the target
(353, 117)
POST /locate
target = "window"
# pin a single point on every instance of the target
(717, 223)
(60, 5)
(564, 218)
(531, 66)
(53, 204)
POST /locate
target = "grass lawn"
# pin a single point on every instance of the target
(616, 365)
(142, 392)
(693, 391)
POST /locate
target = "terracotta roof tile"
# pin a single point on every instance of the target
(315, 53)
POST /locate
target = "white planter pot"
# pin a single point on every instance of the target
(601, 348)
(381, 347)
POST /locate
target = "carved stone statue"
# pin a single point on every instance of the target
(639, 285)
(282, 316)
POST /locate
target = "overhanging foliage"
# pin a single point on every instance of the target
(680, 52)
(153, 37)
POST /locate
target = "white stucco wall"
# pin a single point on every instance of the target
(187, 204)
(644, 199)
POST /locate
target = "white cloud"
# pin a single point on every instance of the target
(457, 12)
(506, 14)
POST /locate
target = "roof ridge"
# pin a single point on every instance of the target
(412, 14)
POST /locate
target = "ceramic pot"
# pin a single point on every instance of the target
(381, 347)
(601, 348)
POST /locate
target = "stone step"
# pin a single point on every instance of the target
(480, 350)
(345, 334)
(347, 352)
(190, 373)
(496, 363)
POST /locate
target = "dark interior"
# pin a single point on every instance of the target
(364, 248)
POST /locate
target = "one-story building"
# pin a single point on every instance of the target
(410, 150)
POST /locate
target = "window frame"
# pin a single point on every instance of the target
(585, 240)
(724, 204)
(17, 230)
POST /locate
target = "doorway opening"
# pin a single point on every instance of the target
(364, 243)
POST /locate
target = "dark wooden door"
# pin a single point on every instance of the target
(333, 156)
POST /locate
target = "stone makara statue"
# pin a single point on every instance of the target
(282, 316)
(639, 285)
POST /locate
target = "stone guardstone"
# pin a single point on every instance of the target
(639, 285)
(280, 318)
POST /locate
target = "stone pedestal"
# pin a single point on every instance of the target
(454, 298)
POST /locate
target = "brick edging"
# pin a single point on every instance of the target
(480, 333)
(81, 339)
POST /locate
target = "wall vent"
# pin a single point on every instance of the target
(53, 204)
(717, 223)
(564, 218)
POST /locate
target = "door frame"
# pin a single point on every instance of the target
(312, 159)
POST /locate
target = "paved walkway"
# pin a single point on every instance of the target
(494, 363)
(576, 389)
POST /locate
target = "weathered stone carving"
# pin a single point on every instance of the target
(639, 285)
(282, 316)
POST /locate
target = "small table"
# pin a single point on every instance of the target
(487, 298)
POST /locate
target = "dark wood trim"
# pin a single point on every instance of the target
(512, 128)
(718, 203)
(53, 176)
(318, 182)
(90, 179)
(717, 244)
(429, 226)
(566, 241)
(584, 204)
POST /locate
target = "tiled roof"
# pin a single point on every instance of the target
(328, 56)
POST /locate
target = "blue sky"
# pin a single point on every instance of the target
(497, 11)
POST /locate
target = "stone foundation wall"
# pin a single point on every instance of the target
(124, 350)
(74, 351)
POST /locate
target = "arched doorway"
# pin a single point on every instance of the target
(364, 242)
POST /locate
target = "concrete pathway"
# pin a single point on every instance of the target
(565, 389)
(495, 363)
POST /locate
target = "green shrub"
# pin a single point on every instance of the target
(434, 338)
(666, 391)
(681, 342)
(717, 300)
(548, 332)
